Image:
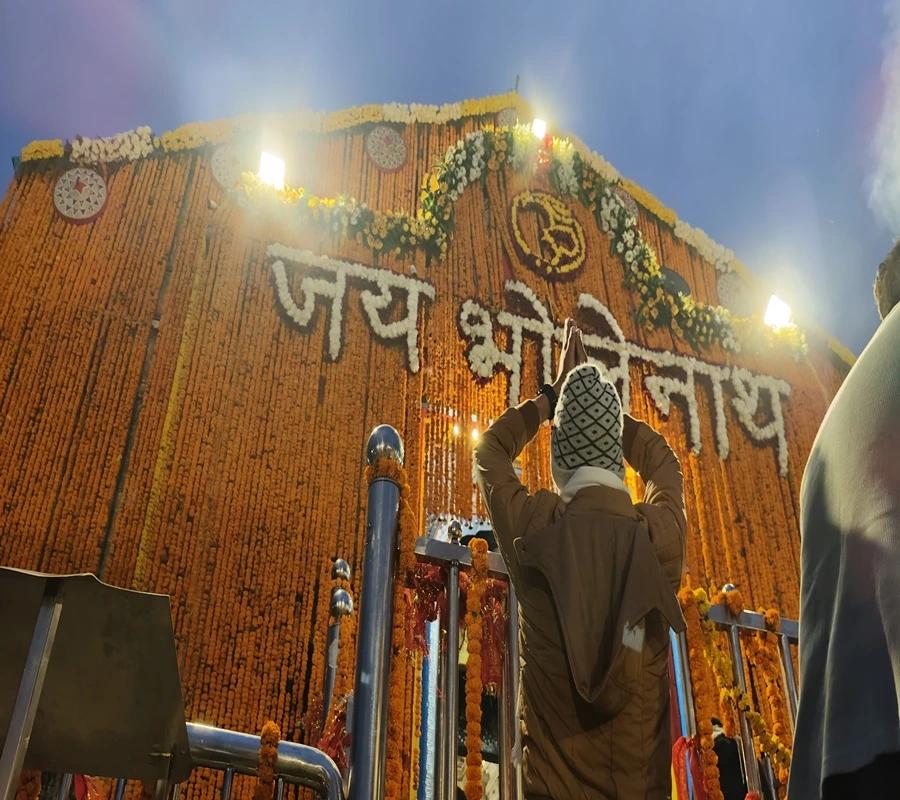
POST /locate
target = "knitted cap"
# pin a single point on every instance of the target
(588, 423)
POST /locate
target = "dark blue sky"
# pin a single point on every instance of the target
(754, 121)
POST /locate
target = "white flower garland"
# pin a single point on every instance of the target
(485, 358)
(416, 113)
(128, 146)
(139, 143)
(335, 290)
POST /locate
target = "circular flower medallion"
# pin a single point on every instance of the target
(226, 167)
(560, 247)
(507, 118)
(80, 195)
(627, 200)
(733, 293)
(386, 148)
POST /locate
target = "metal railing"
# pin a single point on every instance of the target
(370, 711)
(233, 753)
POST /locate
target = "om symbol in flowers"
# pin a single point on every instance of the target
(560, 247)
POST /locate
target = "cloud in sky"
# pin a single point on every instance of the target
(884, 177)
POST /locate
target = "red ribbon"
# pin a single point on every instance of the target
(679, 767)
(86, 788)
(686, 755)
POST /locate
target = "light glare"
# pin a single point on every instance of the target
(474, 434)
(456, 430)
(539, 128)
(778, 313)
(271, 170)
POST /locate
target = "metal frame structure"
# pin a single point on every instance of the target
(367, 766)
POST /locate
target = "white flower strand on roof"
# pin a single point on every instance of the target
(614, 353)
(374, 304)
(128, 146)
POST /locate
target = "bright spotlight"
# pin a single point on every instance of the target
(271, 170)
(778, 313)
(474, 434)
(456, 430)
(539, 128)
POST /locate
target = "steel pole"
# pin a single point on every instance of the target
(341, 606)
(370, 704)
(450, 707)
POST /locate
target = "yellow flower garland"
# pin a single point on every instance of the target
(768, 742)
(649, 202)
(43, 148)
(764, 655)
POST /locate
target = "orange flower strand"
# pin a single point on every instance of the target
(704, 695)
(29, 785)
(768, 742)
(268, 758)
(474, 788)
(399, 682)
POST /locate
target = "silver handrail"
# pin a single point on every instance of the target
(221, 749)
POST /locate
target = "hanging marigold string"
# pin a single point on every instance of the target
(398, 744)
(474, 788)
(764, 655)
(734, 602)
(768, 742)
(29, 785)
(704, 694)
(268, 758)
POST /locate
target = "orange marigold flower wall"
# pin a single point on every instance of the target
(165, 425)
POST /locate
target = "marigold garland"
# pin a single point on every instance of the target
(268, 759)
(29, 785)
(704, 694)
(764, 655)
(474, 788)
(398, 740)
(768, 742)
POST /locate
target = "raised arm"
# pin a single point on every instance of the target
(508, 502)
(651, 457)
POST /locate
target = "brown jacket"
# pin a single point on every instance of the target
(590, 577)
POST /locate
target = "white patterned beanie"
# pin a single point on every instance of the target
(587, 425)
